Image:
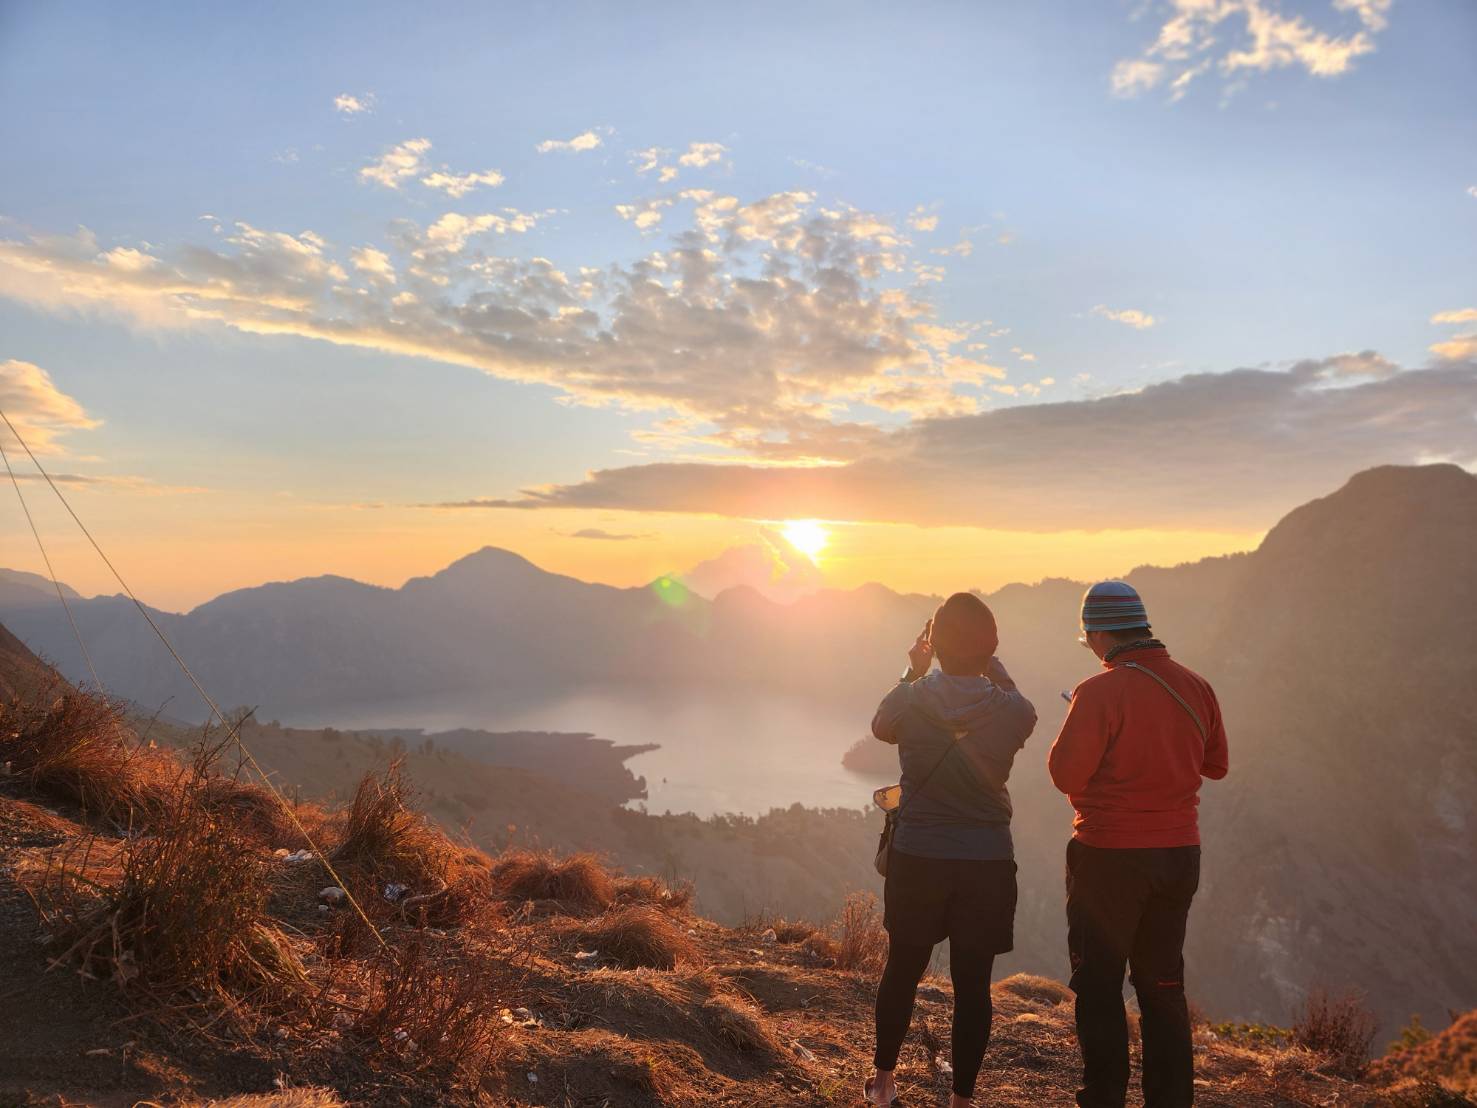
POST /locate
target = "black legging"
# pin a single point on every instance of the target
(970, 971)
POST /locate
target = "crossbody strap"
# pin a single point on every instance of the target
(936, 766)
(1185, 704)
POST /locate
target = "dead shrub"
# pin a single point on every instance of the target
(1042, 990)
(185, 916)
(386, 838)
(793, 931)
(737, 1024)
(1340, 1027)
(822, 948)
(635, 937)
(74, 746)
(578, 883)
(254, 808)
(861, 943)
(654, 891)
(432, 1010)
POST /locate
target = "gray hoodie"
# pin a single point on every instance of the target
(963, 810)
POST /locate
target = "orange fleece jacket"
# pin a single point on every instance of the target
(1130, 757)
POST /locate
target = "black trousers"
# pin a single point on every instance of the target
(970, 970)
(1129, 907)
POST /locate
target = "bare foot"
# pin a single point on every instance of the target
(957, 1101)
(881, 1089)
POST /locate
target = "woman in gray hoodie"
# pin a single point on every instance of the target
(951, 870)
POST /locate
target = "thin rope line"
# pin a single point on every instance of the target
(267, 781)
(86, 657)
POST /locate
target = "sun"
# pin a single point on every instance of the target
(807, 536)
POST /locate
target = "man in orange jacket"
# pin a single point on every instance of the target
(1137, 739)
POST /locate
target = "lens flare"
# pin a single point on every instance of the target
(807, 536)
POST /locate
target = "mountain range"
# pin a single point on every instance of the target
(1342, 848)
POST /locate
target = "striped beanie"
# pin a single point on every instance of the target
(1112, 606)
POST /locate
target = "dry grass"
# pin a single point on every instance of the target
(1043, 990)
(1340, 1027)
(635, 937)
(74, 746)
(655, 892)
(185, 917)
(861, 943)
(385, 836)
(287, 1098)
(433, 1010)
(738, 1024)
(578, 884)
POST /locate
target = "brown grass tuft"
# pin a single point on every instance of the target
(1340, 1027)
(654, 891)
(738, 1024)
(433, 1010)
(1043, 990)
(74, 746)
(578, 883)
(387, 838)
(861, 943)
(186, 914)
(635, 937)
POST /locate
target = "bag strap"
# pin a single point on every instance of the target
(936, 766)
(1185, 704)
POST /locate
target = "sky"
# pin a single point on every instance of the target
(993, 291)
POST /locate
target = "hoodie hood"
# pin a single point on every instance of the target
(957, 703)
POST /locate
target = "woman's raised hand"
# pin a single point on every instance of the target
(920, 654)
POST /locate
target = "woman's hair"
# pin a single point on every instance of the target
(964, 634)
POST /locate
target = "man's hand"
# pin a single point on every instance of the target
(920, 654)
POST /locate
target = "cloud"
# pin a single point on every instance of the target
(774, 328)
(699, 155)
(41, 412)
(1459, 346)
(374, 263)
(586, 140)
(1139, 321)
(922, 220)
(346, 103)
(608, 536)
(397, 163)
(457, 186)
(1472, 190)
(770, 566)
(645, 214)
(1233, 449)
(1242, 37)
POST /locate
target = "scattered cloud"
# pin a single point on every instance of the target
(1460, 346)
(374, 263)
(961, 249)
(700, 336)
(1237, 38)
(346, 103)
(645, 214)
(585, 140)
(397, 163)
(1266, 439)
(458, 185)
(702, 154)
(1139, 321)
(1472, 191)
(923, 220)
(41, 412)
(608, 536)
